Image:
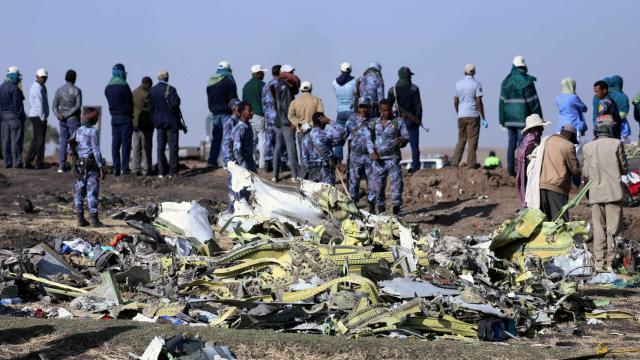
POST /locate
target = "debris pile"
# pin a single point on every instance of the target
(306, 260)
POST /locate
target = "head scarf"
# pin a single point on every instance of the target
(404, 77)
(219, 75)
(118, 77)
(531, 138)
(568, 86)
(344, 78)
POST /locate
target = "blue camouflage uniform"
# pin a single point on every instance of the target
(389, 160)
(371, 88)
(359, 136)
(268, 106)
(87, 182)
(243, 148)
(317, 152)
(227, 151)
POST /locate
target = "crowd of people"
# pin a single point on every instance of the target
(280, 125)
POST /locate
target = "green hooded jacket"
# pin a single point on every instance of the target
(518, 98)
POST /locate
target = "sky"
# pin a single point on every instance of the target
(435, 39)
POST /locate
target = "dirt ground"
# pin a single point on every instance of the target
(458, 201)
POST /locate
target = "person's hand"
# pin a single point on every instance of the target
(400, 141)
(293, 126)
(374, 156)
(503, 128)
(60, 116)
(484, 123)
(101, 174)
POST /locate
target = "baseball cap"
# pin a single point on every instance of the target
(345, 67)
(224, 65)
(257, 68)
(12, 70)
(163, 74)
(287, 68)
(518, 61)
(306, 86)
(118, 66)
(469, 69)
(41, 73)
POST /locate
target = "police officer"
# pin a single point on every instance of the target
(13, 117)
(227, 145)
(243, 145)
(371, 86)
(359, 142)
(164, 106)
(317, 149)
(269, 108)
(85, 147)
(390, 134)
(406, 96)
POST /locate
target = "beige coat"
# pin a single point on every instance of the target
(559, 164)
(302, 109)
(604, 163)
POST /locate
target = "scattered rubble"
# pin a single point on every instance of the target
(306, 260)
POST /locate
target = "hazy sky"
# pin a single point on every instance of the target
(585, 39)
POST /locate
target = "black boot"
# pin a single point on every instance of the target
(269, 167)
(372, 207)
(396, 209)
(95, 222)
(381, 209)
(82, 222)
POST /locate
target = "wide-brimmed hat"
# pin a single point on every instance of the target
(534, 120)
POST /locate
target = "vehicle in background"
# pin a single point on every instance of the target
(432, 162)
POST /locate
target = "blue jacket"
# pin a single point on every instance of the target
(220, 94)
(11, 98)
(164, 114)
(120, 100)
(570, 110)
(345, 95)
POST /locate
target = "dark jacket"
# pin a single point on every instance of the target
(408, 101)
(120, 100)
(220, 94)
(518, 98)
(11, 99)
(164, 107)
(141, 115)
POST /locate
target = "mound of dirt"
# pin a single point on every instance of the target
(450, 184)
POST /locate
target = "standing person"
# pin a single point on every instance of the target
(390, 135)
(318, 149)
(371, 87)
(252, 93)
(606, 110)
(359, 127)
(518, 99)
(142, 129)
(300, 114)
(243, 145)
(292, 80)
(38, 114)
(344, 86)
(571, 109)
(85, 145)
(221, 88)
(120, 101)
(13, 116)
(531, 136)
(270, 113)
(227, 147)
(467, 101)
(604, 164)
(66, 106)
(406, 97)
(284, 131)
(559, 164)
(492, 161)
(164, 106)
(622, 102)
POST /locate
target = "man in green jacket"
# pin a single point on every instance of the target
(518, 99)
(252, 93)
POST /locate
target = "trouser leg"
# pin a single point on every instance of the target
(41, 145)
(136, 150)
(33, 147)
(277, 151)
(173, 139)
(290, 144)
(116, 144)
(299, 141)
(614, 226)
(162, 158)
(462, 142)
(80, 191)
(511, 148)
(414, 142)
(396, 182)
(93, 191)
(127, 131)
(147, 159)
(551, 203)
(380, 182)
(356, 170)
(216, 140)
(16, 128)
(473, 131)
(6, 144)
(599, 235)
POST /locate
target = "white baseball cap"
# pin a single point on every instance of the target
(518, 61)
(42, 73)
(162, 74)
(345, 67)
(469, 69)
(12, 70)
(306, 86)
(224, 65)
(257, 68)
(286, 68)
